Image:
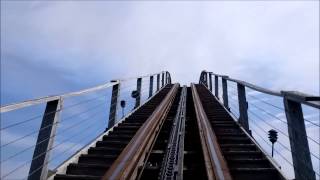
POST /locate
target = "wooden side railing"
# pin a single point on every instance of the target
(51, 118)
(127, 163)
(292, 106)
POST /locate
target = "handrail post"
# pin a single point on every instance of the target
(216, 86)
(210, 81)
(139, 81)
(205, 78)
(39, 165)
(225, 92)
(113, 104)
(158, 82)
(151, 86)
(243, 107)
(167, 77)
(162, 80)
(298, 139)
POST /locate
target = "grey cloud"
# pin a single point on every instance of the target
(107, 40)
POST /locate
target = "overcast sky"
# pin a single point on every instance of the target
(54, 47)
(62, 46)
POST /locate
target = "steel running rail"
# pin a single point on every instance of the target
(216, 166)
(172, 167)
(127, 163)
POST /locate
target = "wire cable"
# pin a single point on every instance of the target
(30, 147)
(59, 122)
(63, 152)
(281, 154)
(285, 147)
(46, 114)
(268, 143)
(19, 167)
(265, 102)
(267, 112)
(279, 130)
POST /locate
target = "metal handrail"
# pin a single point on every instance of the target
(31, 102)
(23, 104)
(147, 75)
(304, 98)
(254, 87)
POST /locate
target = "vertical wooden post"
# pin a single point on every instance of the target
(225, 92)
(162, 80)
(113, 104)
(138, 99)
(216, 86)
(298, 139)
(39, 165)
(210, 81)
(205, 78)
(151, 86)
(243, 107)
(158, 82)
(169, 78)
(166, 77)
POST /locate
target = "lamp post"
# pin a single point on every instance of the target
(273, 137)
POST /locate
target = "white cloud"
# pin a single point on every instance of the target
(269, 43)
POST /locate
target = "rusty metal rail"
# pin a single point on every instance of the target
(215, 163)
(127, 163)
